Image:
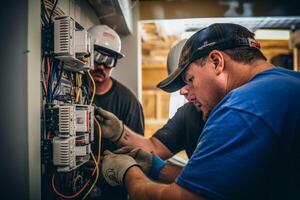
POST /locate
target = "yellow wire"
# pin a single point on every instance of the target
(96, 179)
(99, 140)
(97, 162)
(79, 83)
(94, 87)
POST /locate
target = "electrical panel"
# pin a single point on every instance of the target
(72, 44)
(69, 154)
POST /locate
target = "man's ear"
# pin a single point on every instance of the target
(218, 61)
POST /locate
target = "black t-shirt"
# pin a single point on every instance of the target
(123, 103)
(183, 130)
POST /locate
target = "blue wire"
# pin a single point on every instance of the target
(58, 78)
(53, 68)
(52, 79)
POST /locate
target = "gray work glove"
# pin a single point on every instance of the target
(112, 128)
(115, 166)
(150, 163)
(142, 157)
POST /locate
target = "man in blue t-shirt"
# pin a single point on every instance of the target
(250, 145)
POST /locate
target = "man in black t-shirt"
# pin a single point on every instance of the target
(111, 95)
(180, 133)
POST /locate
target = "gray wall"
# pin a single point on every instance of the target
(128, 69)
(80, 11)
(13, 83)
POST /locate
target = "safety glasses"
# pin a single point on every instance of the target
(104, 59)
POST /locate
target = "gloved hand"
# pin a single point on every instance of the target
(150, 163)
(112, 128)
(115, 166)
(142, 157)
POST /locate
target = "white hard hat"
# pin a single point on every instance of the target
(174, 55)
(106, 39)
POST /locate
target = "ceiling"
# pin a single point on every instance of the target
(179, 26)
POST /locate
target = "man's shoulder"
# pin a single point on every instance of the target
(188, 107)
(187, 112)
(121, 89)
(120, 86)
(272, 90)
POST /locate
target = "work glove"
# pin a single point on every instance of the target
(112, 128)
(115, 166)
(150, 163)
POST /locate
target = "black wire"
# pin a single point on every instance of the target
(89, 92)
(49, 84)
(44, 19)
(44, 10)
(52, 11)
(43, 89)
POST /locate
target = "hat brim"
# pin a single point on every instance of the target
(119, 55)
(174, 81)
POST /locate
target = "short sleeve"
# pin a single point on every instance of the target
(231, 156)
(172, 133)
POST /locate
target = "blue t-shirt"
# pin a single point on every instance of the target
(249, 148)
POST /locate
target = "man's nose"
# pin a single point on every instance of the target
(184, 91)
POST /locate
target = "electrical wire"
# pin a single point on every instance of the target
(78, 178)
(96, 179)
(52, 11)
(79, 84)
(58, 78)
(68, 196)
(44, 89)
(94, 87)
(45, 10)
(57, 11)
(99, 140)
(49, 80)
(48, 70)
(43, 78)
(54, 67)
(96, 169)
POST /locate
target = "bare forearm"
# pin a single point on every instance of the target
(140, 187)
(135, 178)
(130, 138)
(169, 173)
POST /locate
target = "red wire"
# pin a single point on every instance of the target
(73, 195)
(68, 196)
(48, 69)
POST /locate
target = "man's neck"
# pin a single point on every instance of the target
(104, 87)
(248, 72)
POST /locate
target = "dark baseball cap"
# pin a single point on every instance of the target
(219, 36)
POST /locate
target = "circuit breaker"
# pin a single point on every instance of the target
(72, 44)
